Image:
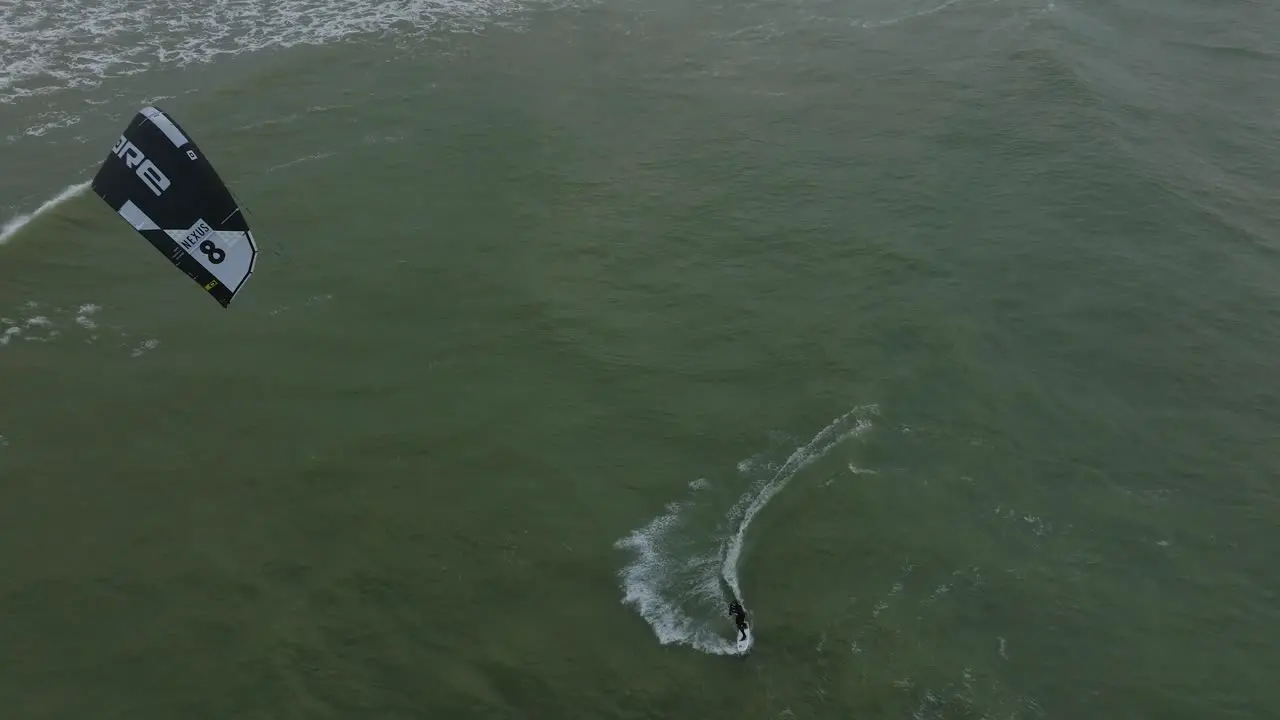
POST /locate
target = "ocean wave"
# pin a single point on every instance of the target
(115, 38)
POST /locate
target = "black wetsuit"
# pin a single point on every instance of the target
(739, 618)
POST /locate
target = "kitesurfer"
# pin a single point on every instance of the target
(739, 617)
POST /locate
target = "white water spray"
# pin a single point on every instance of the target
(12, 227)
(667, 573)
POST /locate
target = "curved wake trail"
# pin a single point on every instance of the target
(674, 575)
(12, 227)
(753, 502)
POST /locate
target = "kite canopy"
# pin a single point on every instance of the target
(161, 183)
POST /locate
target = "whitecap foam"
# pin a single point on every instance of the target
(144, 347)
(84, 316)
(37, 323)
(45, 122)
(63, 44)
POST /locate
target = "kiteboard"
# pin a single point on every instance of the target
(161, 183)
(744, 644)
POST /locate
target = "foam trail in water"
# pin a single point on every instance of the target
(852, 423)
(672, 573)
(12, 227)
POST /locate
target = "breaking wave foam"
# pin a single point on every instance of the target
(674, 575)
(114, 38)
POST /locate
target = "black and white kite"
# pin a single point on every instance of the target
(162, 184)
